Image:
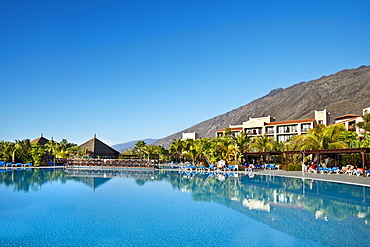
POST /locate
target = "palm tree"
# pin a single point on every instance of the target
(350, 138)
(177, 146)
(38, 153)
(188, 144)
(21, 151)
(366, 123)
(189, 150)
(6, 150)
(203, 148)
(140, 149)
(191, 154)
(324, 137)
(293, 144)
(64, 149)
(130, 151)
(151, 150)
(262, 143)
(225, 149)
(242, 142)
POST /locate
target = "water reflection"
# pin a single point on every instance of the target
(304, 208)
(30, 179)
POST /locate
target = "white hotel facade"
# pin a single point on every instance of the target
(284, 130)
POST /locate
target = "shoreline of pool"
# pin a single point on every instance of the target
(336, 178)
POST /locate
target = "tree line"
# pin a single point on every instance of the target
(228, 147)
(23, 151)
(231, 148)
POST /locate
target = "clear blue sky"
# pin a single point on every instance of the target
(129, 70)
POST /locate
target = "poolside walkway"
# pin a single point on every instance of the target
(339, 178)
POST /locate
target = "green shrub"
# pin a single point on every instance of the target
(295, 167)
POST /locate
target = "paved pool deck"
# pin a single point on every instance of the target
(339, 178)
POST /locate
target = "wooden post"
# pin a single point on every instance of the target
(363, 163)
(287, 165)
(318, 161)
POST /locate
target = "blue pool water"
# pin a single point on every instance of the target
(153, 208)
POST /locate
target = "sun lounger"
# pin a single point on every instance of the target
(322, 170)
(211, 167)
(202, 168)
(334, 169)
(271, 166)
(351, 171)
(250, 168)
(229, 168)
(220, 168)
(310, 170)
(360, 172)
(188, 167)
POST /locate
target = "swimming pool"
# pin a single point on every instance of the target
(46, 207)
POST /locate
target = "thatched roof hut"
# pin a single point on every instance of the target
(41, 140)
(97, 148)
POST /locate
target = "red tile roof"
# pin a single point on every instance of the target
(309, 120)
(232, 129)
(347, 116)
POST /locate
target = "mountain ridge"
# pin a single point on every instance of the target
(121, 147)
(347, 91)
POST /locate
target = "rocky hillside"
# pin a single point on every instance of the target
(347, 91)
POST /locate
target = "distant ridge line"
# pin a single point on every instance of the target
(345, 92)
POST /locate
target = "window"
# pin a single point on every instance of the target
(270, 130)
(284, 138)
(281, 129)
(305, 127)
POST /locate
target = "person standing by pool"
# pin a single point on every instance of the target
(304, 167)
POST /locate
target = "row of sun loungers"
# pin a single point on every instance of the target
(336, 170)
(110, 162)
(10, 164)
(251, 167)
(211, 167)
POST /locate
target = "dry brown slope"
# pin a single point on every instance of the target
(347, 91)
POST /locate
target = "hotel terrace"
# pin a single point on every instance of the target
(284, 130)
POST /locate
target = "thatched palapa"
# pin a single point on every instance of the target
(97, 148)
(41, 140)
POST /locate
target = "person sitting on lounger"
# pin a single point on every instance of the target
(351, 170)
(345, 169)
(313, 166)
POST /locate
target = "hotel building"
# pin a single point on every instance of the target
(279, 130)
(284, 130)
(350, 121)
